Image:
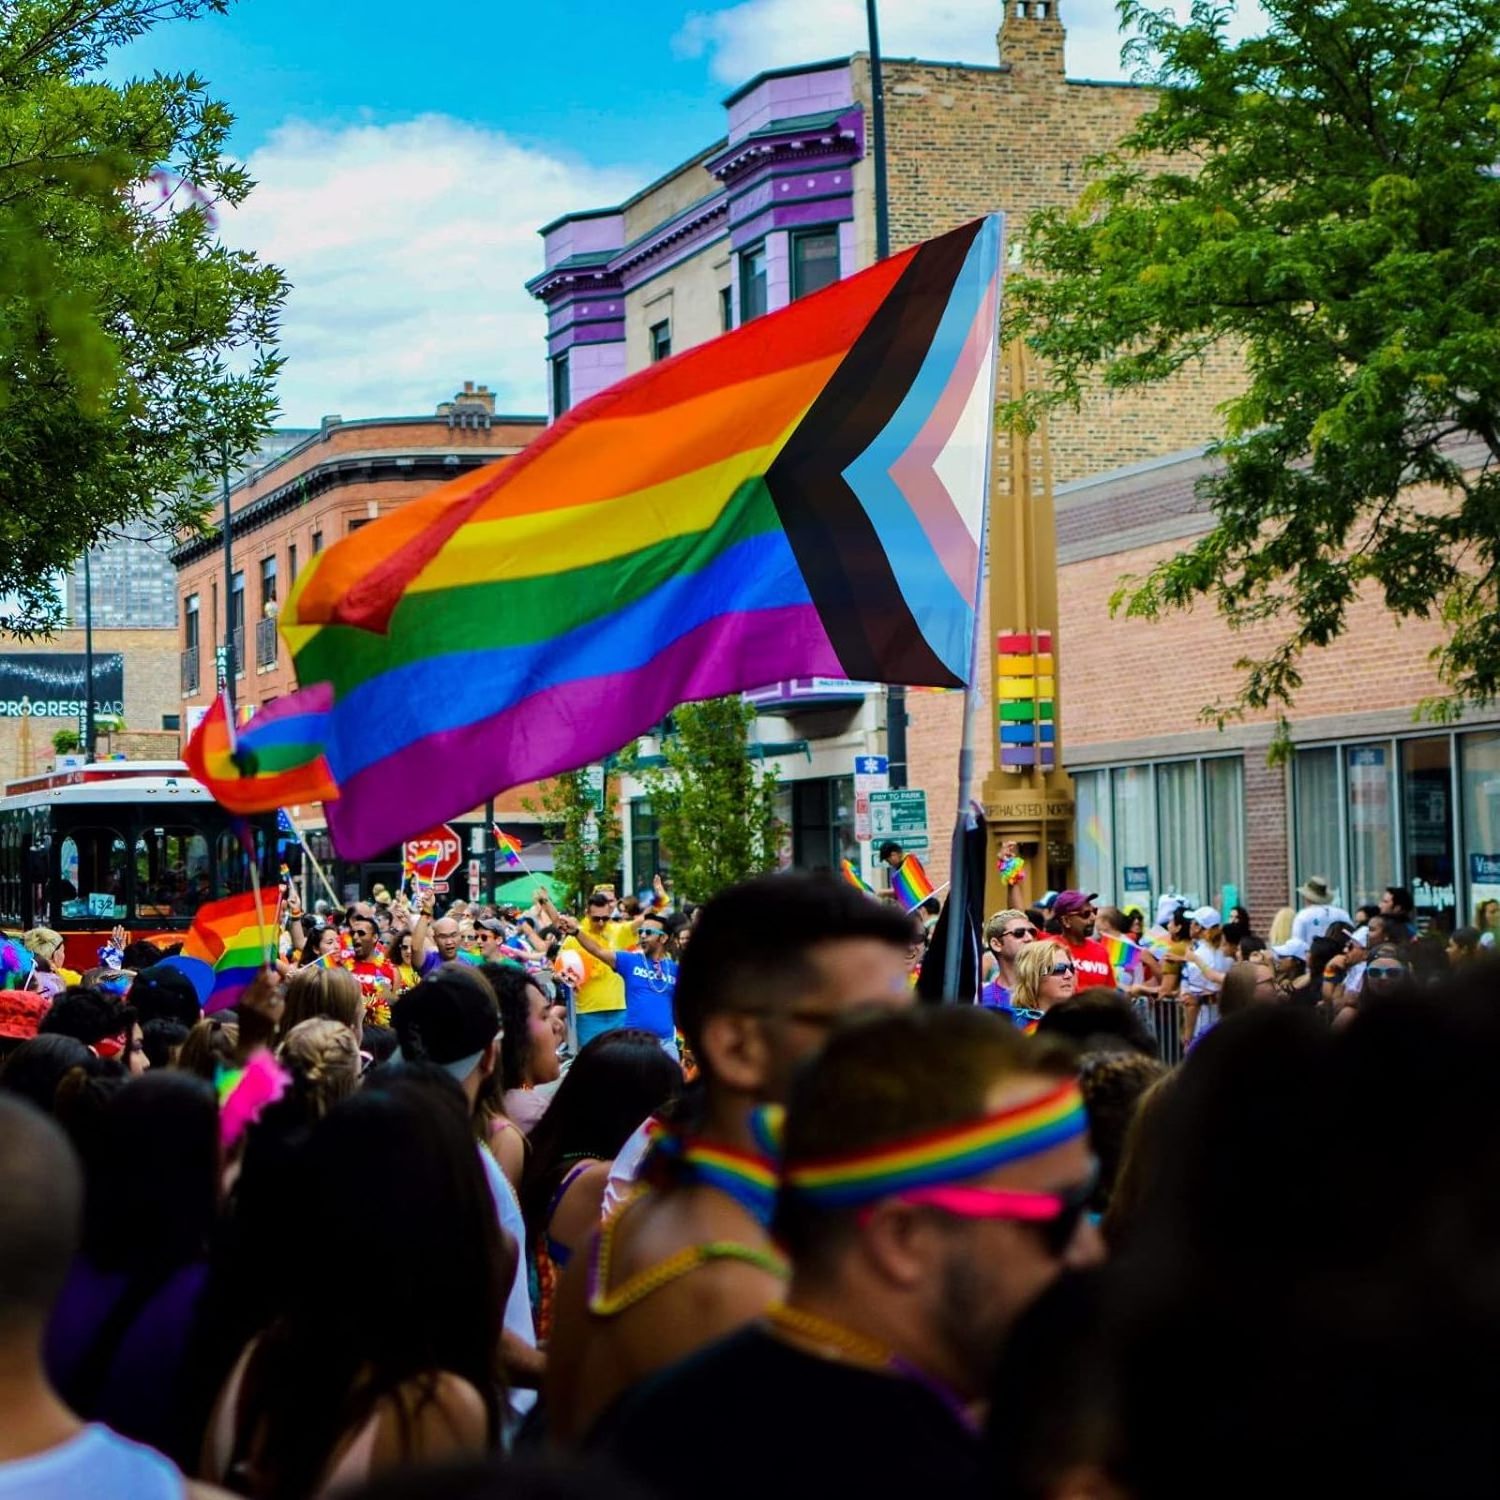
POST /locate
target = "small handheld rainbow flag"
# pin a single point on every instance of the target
(276, 760)
(1122, 952)
(509, 847)
(230, 937)
(854, 877)
(910, 883)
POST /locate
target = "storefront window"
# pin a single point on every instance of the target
(645, 844)
(1315, 783)
(1480, 762)
(1426, 799)
(1181, 824)
(1371, 791)
(1224, 814)
(823, 822)
(1095, 867)
(1135, 835)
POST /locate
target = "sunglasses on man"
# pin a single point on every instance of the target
(1020, 932)
(1054, 1215)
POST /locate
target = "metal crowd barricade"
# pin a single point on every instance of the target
(1163, 1018)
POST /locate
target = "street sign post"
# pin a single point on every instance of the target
(594, 779)
(872, 773)
(900, 815)
(442, 841)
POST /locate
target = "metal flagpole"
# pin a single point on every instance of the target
(313, 860)
(958, 890)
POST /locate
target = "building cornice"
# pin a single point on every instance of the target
(342, 470)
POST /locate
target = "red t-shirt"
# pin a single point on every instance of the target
(1090, 963)
(377, 987)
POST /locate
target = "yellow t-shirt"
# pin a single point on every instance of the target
(602, 988)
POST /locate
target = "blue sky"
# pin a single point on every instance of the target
(407, 155)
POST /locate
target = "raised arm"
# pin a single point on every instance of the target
(602, 951)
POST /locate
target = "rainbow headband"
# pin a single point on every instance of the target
(950, 1154)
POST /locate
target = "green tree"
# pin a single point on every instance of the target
(714, 802)
(579, 862)
(136, 350)
(66, 741)
(1331, 211)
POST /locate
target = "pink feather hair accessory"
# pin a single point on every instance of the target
(245, 1092)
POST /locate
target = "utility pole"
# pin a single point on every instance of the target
(230, 664)
(88, 658)
(895, 693)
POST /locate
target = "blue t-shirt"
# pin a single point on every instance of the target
(648, 992)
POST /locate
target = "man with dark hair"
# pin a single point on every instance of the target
(1395, 907)
(600, 1004)
(934, 1180)
(772, 965)
(378, 983)
(892, 854)
(44, 1449)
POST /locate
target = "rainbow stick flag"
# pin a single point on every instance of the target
(800, 497)
(509, 847)
(1122, 952)
(910, 883)
(228, 936)
(854, 877)
(276, 760)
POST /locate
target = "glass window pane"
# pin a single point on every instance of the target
(1095, 866)
(1370, 773)
(1480, 759)
(1315, 781)
(1224, 804)
(1134, 804)
(1180, 819)
(1427, 819)
(815, 261)
(171, 872)
(94, 870)
(753, 290)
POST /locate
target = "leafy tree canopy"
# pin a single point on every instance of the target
(1324, 199)
(137, 352)
(714, 801)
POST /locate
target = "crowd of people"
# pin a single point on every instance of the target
(654, 1200)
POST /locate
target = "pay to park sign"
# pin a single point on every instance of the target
(900, 815)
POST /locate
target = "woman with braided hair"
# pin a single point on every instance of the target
(323, 1057)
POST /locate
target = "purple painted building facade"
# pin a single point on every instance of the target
(778, 215)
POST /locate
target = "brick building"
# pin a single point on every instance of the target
(41, 681)
(305, 495)
(782, 205)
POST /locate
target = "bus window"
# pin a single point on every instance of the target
(232, 866)
(93, 867)
(171, 872)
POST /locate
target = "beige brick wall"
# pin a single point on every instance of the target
(150, 691)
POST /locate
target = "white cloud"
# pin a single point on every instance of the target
(408, 246)
(743, 39)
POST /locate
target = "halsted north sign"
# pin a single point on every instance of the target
(49, 685)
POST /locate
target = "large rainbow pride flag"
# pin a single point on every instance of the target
(801, 497)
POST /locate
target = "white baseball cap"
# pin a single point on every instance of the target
(1207, 916)
(1165, 907)
(1292, 948)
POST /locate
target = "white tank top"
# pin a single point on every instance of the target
(96, 1462)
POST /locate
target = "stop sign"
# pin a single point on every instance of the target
(417, 854)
